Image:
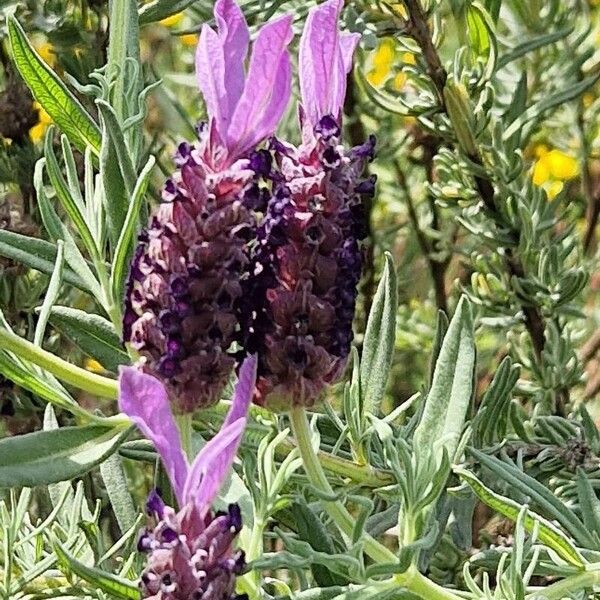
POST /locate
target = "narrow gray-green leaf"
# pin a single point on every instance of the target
(589, 505)
(559, 98)
(548, 533)
(528, 486)
(156, 10)
(67, 201)
(111, 124)
(531, 45)
(123, 45)
(380, 336)
(50, 296)
(118, 492)
(36, 254)
(58, 230)
(28, 379)
(117, 587)
(64, 108)
(45, 457)
(445, 410)
(124, 245)
(93, 334)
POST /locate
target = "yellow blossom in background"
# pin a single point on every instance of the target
(384, 60)
(173, 20)
(189, 39)
(36, 133)
(46, 51)
(552, 169)
(93, 365)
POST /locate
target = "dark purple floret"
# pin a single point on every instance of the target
(185, 278)
(191, 555)
(299, 301)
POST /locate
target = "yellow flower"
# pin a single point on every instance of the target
(554, 189)
(562, 166)
(383, 60)
(552, 169)
(189, 39)
(173, 20)
(587, 99)
(46, 51)
(36, 133)
(93, 365)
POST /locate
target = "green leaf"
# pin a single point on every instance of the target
(50, 297)
(93, 334)
(118, 492)
(45, 457)
(539, 494)
(311, 529)
(115, 189)
(380, 336)
(123, 46)
(548, 533)
(531, 45)
(36, 254)
(445, 410)
(483, 37)
(65, 198)
(125, 242)
(111, 584)
(156, 10)
(549, 102)
(64, 108)
(589, 505)
(491, 422)
(28, 379)
(58, 231)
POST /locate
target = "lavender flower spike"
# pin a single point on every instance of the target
(190, 554)
(305, 270)
(181, 301)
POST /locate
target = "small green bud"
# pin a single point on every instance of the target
(461, 116)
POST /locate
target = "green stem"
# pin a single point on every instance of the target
(412, 580)
(569, 585)
(418, 584)
(335, 509)
(63, 370)
(254, 549)
(122, 44)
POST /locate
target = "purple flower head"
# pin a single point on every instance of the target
(243, 110)
(181, 312)
(298, 304)
(190, 554)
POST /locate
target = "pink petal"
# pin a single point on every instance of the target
(244, 390)
(144, 400)
(209, 470)
(235, 37)
(210, 73)
(348, 43)
(212, 464)
(267, 90)
(325, 58)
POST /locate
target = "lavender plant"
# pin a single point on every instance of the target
(249, 351)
